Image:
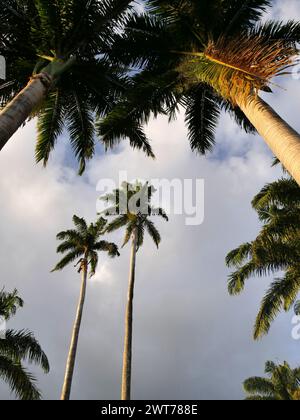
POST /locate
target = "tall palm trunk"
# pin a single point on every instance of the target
(127, 355)
(66, 390)
(20, 108)
(282, 139)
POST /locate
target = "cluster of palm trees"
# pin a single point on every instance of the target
(98, 68)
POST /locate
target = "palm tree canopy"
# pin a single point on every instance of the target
(9, 303)
(67, 39)
(18, 347)
(132, 205)
(199, 55)
(83, 243)
(276, 248)
(283, 383)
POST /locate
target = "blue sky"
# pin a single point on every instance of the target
(191, 340)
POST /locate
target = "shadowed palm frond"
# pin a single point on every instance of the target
(282, 384)
(275, 249)
(21, 382)
(23, 345)
(9, 303)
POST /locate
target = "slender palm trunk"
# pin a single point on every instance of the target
(127, 354)
(20, 108)
(66, 390)
(282, 139)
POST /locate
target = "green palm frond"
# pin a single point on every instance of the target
(282, 384)
(153, 232)
(257, 385)
(21, 382)
(67, 259)
(120, 124)
(23, 345)
(93, 262)
(17, 347)
(9, 303)
(50, 126)
(276, 248)
(202, 115)
(81, 129)
(281, 295)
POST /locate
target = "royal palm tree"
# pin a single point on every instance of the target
(276, 248)
(17, 347)
(206, 56)
(81, 244)
(282, 384)
(56, 70)
(132, 204)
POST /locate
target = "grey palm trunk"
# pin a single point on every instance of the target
(67, 385)
(127, 354)
(20, 108)
(282, 139)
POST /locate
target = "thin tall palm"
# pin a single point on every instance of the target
(58, 46)
(17, 347)
(206, 56)
(276, 248)
(282, 384)
(132, 204)
(82, 244)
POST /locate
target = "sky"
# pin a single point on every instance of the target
(191, 339)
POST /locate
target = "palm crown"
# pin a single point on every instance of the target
(132, 204)
(276, 248)
(18, 347)
(282, 384)
(66, 38)
(201, 55)
(83, 244)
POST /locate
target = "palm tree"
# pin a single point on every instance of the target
(282, 384)
(206, 56)
(132, 204)
(58, 46)
(17, 347)
(83, 244)
(276, 248)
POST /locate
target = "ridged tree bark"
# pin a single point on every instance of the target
(20, 108)
(66, 390)
(127, 354)
(282, 139)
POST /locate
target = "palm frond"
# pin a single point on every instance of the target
(22, 345)
(9, 303)
(202, 115)
(81, 129)
(153, 232)
(21, 382)
(50, 126)
(70, 257)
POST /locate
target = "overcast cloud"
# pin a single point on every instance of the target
(191, 340)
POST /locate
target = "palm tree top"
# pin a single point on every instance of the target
(9, 303)
(83, 244)
(66, 39)
(131, 204)
(282, 383)
(201, 56)
(275, 249)
(18, 347)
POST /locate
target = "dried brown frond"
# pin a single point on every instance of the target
(239, 67)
